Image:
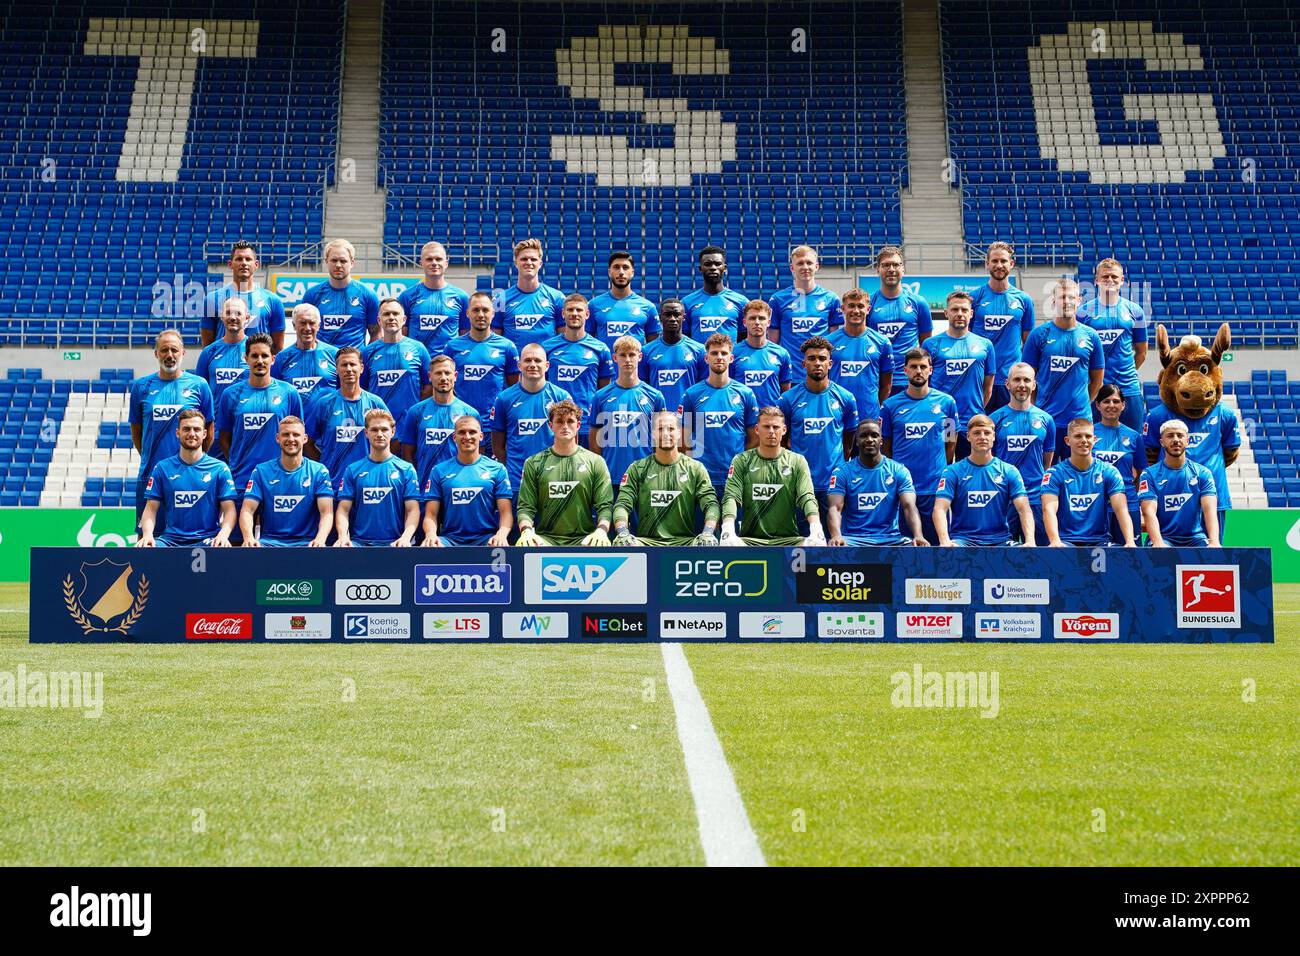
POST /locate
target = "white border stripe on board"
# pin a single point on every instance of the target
(725, 833)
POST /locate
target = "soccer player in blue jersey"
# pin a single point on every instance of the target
(265, 309)
(1178, 496)
(804, 309)
(307, 362)
(963, 364)
(1069, 361)
(919, 425)
(719, 415)
(467, 497)
(978, 493)
(1080, 492)
(379, 496)
(335, 417)
(1026, 440)
(621, 311)
(222, 363)
(713, 308)
(485, 361)
(190, 493)
(821, 417)
(759, 362)
(397, 367)
(1121, 446)
(867, 496)
(154, 403)
(349, 309)
(530, 310)
(293, 494)
(621, 413)
(1122, 327)
(862, 360)
(580, 363)
(900, 316)
(1002, 314)
(673, 363)
(435, 309)
(520, 425)
(425, 433)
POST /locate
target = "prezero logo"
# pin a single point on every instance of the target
(368, 591)
(716, 581)
(585, 579)
(462, 584)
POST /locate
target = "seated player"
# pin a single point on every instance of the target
(467, 498)
(1179, 500)
(867, 494)
(191, 491)
(293, 494)
(977, 495)
(565, 494)
(379, 496)
(772, 486)
(665, 490)
(1089, 489)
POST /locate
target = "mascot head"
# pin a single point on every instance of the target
(1191, 382)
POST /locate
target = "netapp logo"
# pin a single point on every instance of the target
(462, 584)
(368, 591)
(938, 590)
(74, 908)
(845, 584)
(614, 625)
(677, 624)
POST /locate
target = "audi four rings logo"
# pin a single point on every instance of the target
(368, 591)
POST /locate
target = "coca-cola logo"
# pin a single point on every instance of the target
(218, 627)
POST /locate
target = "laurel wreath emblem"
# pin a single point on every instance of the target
(83, 620)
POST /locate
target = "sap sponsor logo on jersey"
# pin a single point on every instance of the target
(664, 498)
(374, 496)
(368, 591)
(1060, 364)
(388, 377)
(283, 504)
(615, 625)
(1109, 336)
(438, 626)
(584, 579)
(915, 431)
(772, 624)
(186, 499)
(868, 501)
(761, 492)
(475, 373)
(1020, 442)
(1082, 502)
(526, 321)
(464, 496)
(890, 329)
(550, 625)
(377, 627)
(558, 490)
(979, 499)
(436, 436)
(228, 376)
(670, 376)
(677, 624)
(996, 627)
(954, 368)
(165, 413)
(914, 624)
(528, 427)
(755, 377)
(302, 626)
(866, 625)
(717, 419)
(569, 373)
(995, 323)
(1209, 595)
(462, 584)
(815, 426)
(1174, 502)
(255, 421)
(346, 434)
(1090, 627)
(938, 590)
(844, 584)
(852, 369)
(1017, 591)
(719, 581)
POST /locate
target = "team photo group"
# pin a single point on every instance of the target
(531, 417)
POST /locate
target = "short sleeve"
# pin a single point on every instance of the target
(323, 486)
(226, 490)
(347, 484)
(276, 322)
(255, 489)
(839, 481)
(410, 483)
(136, 414)
(924, 324)
(153, 488)
(947, 484)
(512, 359)
(1096, 358)
(1144, 491)
(1027, 315)
(1208, 487)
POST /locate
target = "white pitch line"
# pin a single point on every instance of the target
(725, 833)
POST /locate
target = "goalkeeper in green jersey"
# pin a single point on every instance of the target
(565, 493)
(665, 490)
(772, 485)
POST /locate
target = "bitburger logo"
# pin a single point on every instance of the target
(106, 597)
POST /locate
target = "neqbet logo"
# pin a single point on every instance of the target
(1209, 595)
(614, 625)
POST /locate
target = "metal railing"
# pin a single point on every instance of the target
(310, 254)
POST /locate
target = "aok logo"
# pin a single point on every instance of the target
(717, 419)
(978, 499)
(165, 413)
(663, 499)
(560, 489)
(1020, 442)
(569, 373)
(373, 496)
(255, 421)
(283, 504)
(1174, 502)
(913, 431)
(870, 500)
(528, 427)
(815, 426)
(764, 492)
(1060, 364)
(1082, 502)
(186, 499)
(436, 436)
(388, 377)
(464, 496)
(475, 373)
(852, 369)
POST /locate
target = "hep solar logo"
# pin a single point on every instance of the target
(462, 584)
(283, 504)
(387, 378)
(1020, 442)
(464, 496)
(914, 431)
(475, 373)
(186, 499)
(583, 579)
(1209, 595)
(1060, 364)
(374, 496)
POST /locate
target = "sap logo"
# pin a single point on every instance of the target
(1082, 502)
(464, 496)
(165, 413)
(374, 496)
(978, 499)
(890, 329)
(1060, 364)
(227, 375)
(282, 504)
(346, 434)
(580, 579)
(527, 320)
(955, 368)
(305, 385)
(1020, 442)
(475, 373)
(756, 377)
(186, 499)
(1195, 438)
(853, 369)
(996, 323)
(624, 419)
(663, 499)
(255, 421)
(436, 436)
(431, 323)
(1108, 336)
(711, 323)
(1174, 502)
(388, 377)
(871, 500)
(717, 419)
(803, 323)
(762, 493)
(914, 431)
(560, 489)
(620, 327)
(332, 323)
(569, 373)
(528, 427)
(671, 376)
(1110, 457)
(815, 426)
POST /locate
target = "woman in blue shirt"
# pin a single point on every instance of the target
(1121, 446)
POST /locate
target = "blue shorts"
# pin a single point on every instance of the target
(284, 542)
(170, 539)
(477, 542)
(874, 541)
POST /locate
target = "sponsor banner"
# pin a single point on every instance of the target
(368, 591)
(936, 624)
(938, 591)
(462, 584)
(289, 591)
(547, 625)
(844, 584)
(933, 288)
(1001, 626)
(22, 529)
(766, 624)
(1275, 528)
(629, 626)
(675, 625)
(218, 627)
(1085, 627)
(585, 578)
(377, 626)
(865, 625)
(457, 626)
(713, 581)
(292, 286)
(305, 626)
(1017, 591)
(1209, 595)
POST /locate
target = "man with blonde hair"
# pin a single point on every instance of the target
(379, 496)
(804, 309)
(1069, 360)
(530, 310)
(978, 493)
(621, 412)
(435, 309)
(349, 309)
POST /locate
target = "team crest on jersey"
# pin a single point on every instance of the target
(907, 307)
(1082, 341)
(276, 400)
(1125, 442)
(936, 408)
(207, 478)
(1038, 422)
(997, 479)
(354, 302)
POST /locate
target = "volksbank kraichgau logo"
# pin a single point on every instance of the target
(585, 579)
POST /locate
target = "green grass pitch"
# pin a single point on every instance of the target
(1099, 755)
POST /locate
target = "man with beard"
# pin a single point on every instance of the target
(1002, 314)
(870, 496)
(335, 417)
(713, 308)
(621, 311)
(519, 417)
(667, 492)
(919, 426)
(190, 493)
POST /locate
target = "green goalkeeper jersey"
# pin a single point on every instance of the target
(565, 496)
(772, 492)
(665, 499)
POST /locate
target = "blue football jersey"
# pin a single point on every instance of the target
(378, 491)
(435, 316)
(706, 314)
(221, 365)
(265, 310)
(857, 362)
(1063, 359)
(980, 498)
(623, 416)
(467, 498)
(154, 404)
(304, 370)
(289, 500)
(527, 317)
(1120, 327)
(902, 320)
(397, 372)
(871, 502)
(251, 416)
(765, 370)
(1208, 437)
(429, 427)
(718, 420)
(521, 416)
(346, 315)
(798, 316)
(916, 428)
(1023, 438)
(1003, 318)
(673, 368)
(577, 367)
(1122, 447)
(1177, 493)
(1083, 500)
(960, 365)
(338, 427)
(482, 367)
(613, 318)
(818, 422)
(189, 496)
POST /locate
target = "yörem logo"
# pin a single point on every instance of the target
(1101, 627)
